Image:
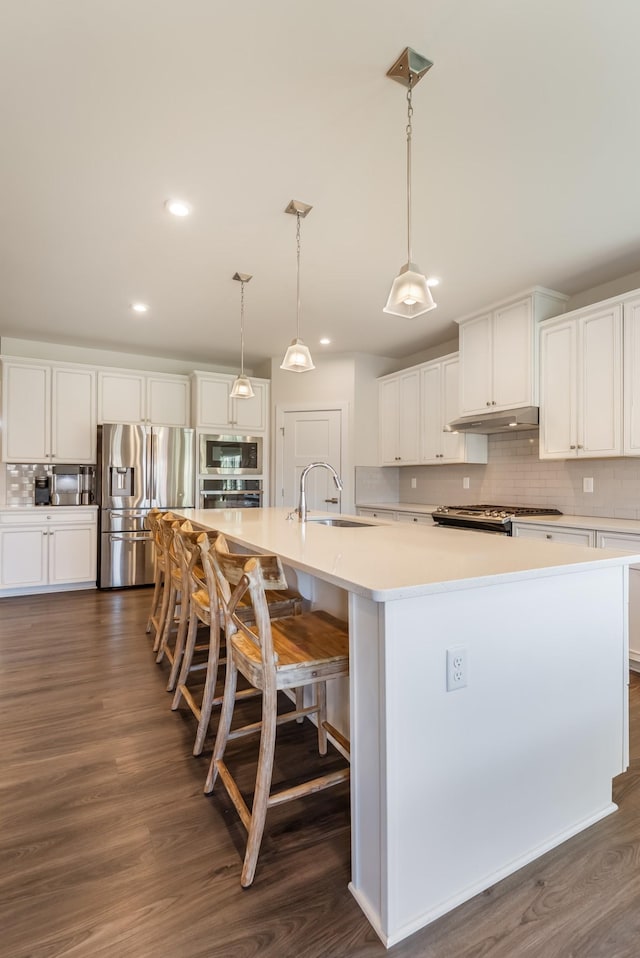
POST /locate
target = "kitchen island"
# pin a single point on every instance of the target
(453, 790)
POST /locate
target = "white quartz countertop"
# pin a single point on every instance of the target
(400, 560)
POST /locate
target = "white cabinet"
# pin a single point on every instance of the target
(43, 551)
(215, 410)
(581, 385)
(48, 412)
(387, 514)
(399, 411)
(631, 339)
(629, 542)
(498, 352)
(392, 515)
(554, 533)
(439, 390)
(140, 397)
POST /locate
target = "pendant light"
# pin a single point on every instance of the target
(242, 388)
(297, 358)
(410, 295)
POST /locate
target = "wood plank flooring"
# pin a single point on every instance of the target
(109, 848)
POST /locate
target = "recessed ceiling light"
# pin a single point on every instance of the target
(140, 307)
(324, 341)
(433, 281)
(178, 207)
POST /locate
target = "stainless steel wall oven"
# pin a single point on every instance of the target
(230, 493)
(230, 455)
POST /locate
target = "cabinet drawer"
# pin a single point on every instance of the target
(41, 517)
(577, 537)
(421, 517)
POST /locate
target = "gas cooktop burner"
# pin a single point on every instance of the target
(488, 517)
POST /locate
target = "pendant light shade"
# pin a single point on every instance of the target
(297, 358)
(242, 388)
(410, 295)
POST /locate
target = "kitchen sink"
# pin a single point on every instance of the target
(344, 523)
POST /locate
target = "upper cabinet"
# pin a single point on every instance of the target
(48, 413)
(631, 336)
(399, 412)
(440, 404)
(139, 397)
(215, 410)
(581, 384)
(498, 352)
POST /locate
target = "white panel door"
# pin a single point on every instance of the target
(389, 406)
(453, 443)
(27, 412)
(600, 384)
(168, 401)
(558, 392)
(73, 415)
(312, 436)
(632, 378)
(72, 554)
(409, 418)
(512, 356)
(121, 397)
(23, 557)
(431, 389)
(475, 365)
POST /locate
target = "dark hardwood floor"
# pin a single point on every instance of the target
(109, 848)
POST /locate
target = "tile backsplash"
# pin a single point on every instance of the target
(20, 482)
(515, 476)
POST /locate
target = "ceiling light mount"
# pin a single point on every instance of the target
(409, 295)
(409, 68)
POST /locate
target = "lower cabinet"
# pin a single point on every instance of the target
(391, 515)
(576, 537)
(45, 551)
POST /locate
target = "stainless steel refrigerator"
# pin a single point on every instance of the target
(138, 468)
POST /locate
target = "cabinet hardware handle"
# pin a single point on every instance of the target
(488, 403)
(580, 446)
(572, 447)
(549, 536)
(493, 402)
(335, 501)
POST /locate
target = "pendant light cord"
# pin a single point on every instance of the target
(409, 133)
(298, 276)
(242, 330)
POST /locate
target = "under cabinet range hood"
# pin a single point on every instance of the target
(502, 421)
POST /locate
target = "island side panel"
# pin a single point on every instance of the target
(485, 778)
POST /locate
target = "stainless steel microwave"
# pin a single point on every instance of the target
(230, 455)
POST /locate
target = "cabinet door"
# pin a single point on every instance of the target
(454, 444)
(558, 418)
(121, 397)
(576, 537)
(212, 403)
(431, 389)
(600, 384)
(250, 415)
(389, 405)
(72, 554)
(632, 378)
(168, 401)
(475, 365)
(23, 557)
(73, 415)
(409, 419)
(27, 411)
(512, 352)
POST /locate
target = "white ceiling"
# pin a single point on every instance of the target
(526, 158)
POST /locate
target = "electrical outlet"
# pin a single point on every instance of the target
(414, 482)
(456, 668)
(587, 485)
(466, 482)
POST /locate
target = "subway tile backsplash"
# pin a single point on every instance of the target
(20, 482)
(515, 476)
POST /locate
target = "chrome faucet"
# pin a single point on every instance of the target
(302, 505)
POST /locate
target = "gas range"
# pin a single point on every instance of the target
(487, 518)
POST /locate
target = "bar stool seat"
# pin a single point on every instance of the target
(308, 649)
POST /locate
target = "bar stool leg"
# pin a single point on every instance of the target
(263, 785)
(209, 693)
(224, 724)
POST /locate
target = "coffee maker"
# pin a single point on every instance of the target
(42, 491)
(72, 485)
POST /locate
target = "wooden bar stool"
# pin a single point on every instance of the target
(154, 525)
(178, 603)
(307, 649)
(205, 609)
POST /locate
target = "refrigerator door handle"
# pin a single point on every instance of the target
(149, 465)
(154, 466)
(130, 538)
